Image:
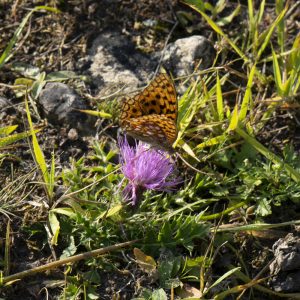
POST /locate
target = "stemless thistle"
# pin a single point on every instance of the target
(145, 169)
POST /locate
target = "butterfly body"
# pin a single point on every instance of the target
(151, 116)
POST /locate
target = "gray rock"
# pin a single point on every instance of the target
(183, 56)
(116, 63)
(60, 106)
(285, 269)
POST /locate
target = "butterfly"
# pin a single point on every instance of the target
(151, 115)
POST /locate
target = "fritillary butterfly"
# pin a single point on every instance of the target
(151, 116)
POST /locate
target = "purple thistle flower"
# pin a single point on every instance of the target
(145, 169)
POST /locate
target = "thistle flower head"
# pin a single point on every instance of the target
(145, 169)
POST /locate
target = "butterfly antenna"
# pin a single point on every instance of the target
(165, 47)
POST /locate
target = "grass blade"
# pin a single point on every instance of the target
(228, 19)
(294, 57)
(224, 276)
(6, 55)
(269, 155)
(55, 227)
(189, 151)
(6, 270)
(261, 11)
(280, 27)
(52, 175)
(8, 129)
(220, 106)
(100, 114)
(218, 30)
(38, 154)
(234, 119)
(248, 95)
(266, 36)
(277, 74)
(212, 142)
(5, 141)
(187, 109)
(251, 18)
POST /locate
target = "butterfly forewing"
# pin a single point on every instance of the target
(159, 97)
(130, 108)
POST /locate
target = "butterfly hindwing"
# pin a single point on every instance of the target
(153, 129)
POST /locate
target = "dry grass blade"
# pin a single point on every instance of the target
(65, 261)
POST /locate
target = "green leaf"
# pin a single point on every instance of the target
(220, 6)
(61, 76)
(280, 26)
(248, 96)
(189, 105)
(38, 154)
(5, 141)
(189, 151)
(218, 30)
(261, 12)
(269, 155)
(112, 211)
(233, 119)
(100, 114)
(159, 295)
(277, 74)
(293, 61)
(172, 283)
(67, 211)
(213, 141)
(52, 175)
(38, 85)
(70, 250)
(223, 277)
(199, 4)
(165, 234)
(168, 269)
(220, 107)
(186, 109)
(8, 129)
(228, 19)
(27, 82)
(93, 296)
(251, 14)
(55, 227)
(263, 208)
(26, 70)
(265, 37)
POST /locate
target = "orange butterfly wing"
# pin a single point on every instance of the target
(151, 115)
